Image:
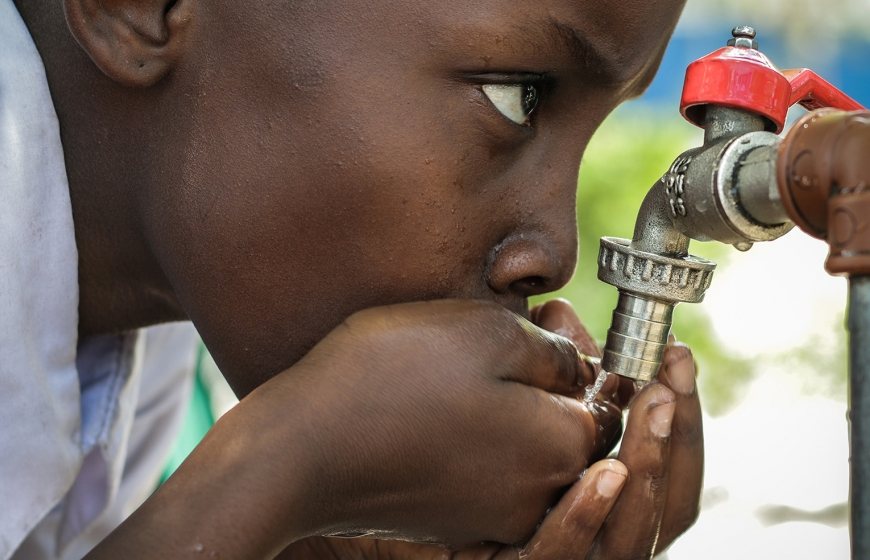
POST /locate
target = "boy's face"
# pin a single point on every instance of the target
(342, 155)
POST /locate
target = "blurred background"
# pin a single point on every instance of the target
(769, 339)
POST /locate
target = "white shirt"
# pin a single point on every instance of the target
(85, 426)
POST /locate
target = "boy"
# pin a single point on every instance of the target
(289, 176)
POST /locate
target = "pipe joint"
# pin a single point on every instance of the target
(824, 182)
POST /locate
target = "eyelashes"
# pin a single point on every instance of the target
(515, 101)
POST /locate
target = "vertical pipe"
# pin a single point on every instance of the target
(859, 414)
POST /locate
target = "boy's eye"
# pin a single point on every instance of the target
(514, 101)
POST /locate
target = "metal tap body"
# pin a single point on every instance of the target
(704, 195)
(726, 190)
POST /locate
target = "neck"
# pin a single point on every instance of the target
(105, 140)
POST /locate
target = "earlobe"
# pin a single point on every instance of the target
(134, 42)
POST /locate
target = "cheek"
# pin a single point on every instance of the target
(303, 198)
(288, 226)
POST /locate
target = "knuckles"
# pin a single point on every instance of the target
(480, 329)
(689, 434)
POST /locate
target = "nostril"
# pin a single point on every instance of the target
(526, 265)
(531, 283)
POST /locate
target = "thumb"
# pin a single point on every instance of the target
(558, 316)
(570, 529)
(547, 361)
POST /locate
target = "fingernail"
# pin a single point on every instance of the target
(672, 338)
(660, 419)
(611, 481)
(680, 369)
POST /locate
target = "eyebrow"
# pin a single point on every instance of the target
(601, 62)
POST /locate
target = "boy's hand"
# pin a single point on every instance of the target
(663, 448)
(569, 531)
(663, 443)
(441, 421)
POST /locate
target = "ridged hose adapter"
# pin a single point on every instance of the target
(649, 285)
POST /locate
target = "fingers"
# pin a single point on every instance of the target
(687, 445)
(607, 419)
(620, 390)
(558, 317)
(633, 527)
(569, 530)
(579, 433)
(547, 361)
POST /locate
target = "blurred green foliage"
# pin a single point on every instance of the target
(629, 153)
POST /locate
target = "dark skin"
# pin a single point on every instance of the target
(288, 176)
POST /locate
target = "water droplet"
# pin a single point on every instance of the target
(593, 390)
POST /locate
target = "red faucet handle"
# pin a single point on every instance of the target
(814, 92)
(741, 77)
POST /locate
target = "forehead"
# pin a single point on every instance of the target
(618, 38)
(615, 40)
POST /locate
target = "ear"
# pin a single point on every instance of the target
(134, 42)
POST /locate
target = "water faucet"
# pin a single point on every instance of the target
(745, 185)
(725, 190)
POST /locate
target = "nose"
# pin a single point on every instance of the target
(540, 253)
(527, 264)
